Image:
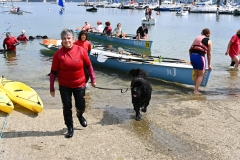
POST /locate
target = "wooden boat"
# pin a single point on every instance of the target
(6, 105)
(15, 12)
(168, 69)
(93, 9)
(151, 21)
(143, 44)
(22, 94)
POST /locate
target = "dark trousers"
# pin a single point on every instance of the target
(66, 96)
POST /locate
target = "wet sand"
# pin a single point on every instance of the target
(182, 130)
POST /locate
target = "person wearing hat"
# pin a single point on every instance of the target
(22, 36)
(99, 27)
(10, 42)
(142, 32)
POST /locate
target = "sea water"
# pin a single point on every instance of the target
(172, 36)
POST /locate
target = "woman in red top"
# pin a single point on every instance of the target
(83, 41)
(68, 63)
(22, 37)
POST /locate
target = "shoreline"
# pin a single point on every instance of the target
(190, 129)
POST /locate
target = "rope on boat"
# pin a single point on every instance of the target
(3, 127)
(31, 100)
(126, 89)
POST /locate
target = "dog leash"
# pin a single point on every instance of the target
(4, 124)
(126, 89)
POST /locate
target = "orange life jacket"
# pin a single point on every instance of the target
(198, 45)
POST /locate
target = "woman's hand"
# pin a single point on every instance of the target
(94, 84)
(52, 94)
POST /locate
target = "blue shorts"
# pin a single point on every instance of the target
(198, 62)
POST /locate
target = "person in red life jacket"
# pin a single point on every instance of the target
(10, 42)
(233, 49)
(68, 64)
(107, 29)
(83, 42)
(22, 37)
(200, 47)
(142, 32)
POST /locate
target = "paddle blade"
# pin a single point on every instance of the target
(101, 58)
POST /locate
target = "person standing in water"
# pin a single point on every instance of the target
(200, 47)
(233, 49)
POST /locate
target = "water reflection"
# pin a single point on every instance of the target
(10, 57)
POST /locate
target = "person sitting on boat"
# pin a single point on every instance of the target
(107, 29)
(142, 32)
(87, 27)
(18, 9)
(13, 9)
(99, 27)
(118, 31)
(10, 42)
(22, 36)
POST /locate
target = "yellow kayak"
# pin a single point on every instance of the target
(6, 105)
(22, 94)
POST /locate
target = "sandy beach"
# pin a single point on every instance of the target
(183, 130)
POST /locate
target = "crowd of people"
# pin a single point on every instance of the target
(141, 33)
(200, 53)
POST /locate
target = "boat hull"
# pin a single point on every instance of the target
(172, 72)
(151, 21)
(143, 44)
(15, 12)
(22, 94)
(6, 105)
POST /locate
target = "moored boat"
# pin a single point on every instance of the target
(143, 44)
(236, 12)
(22, 94)
(6, 104)
(93, 9)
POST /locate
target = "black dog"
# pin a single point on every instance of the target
(141, 91)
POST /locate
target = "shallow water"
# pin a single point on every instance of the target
(172, 36)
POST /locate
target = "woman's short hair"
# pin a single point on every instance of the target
(66, 32)
(107, 23)
(82, 33)
(118, 24)
(206, 32)
(238, 32)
